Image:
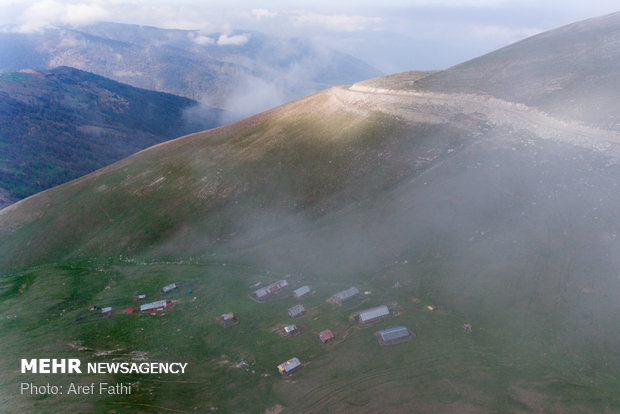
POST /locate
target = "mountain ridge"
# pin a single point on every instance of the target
(562, 71)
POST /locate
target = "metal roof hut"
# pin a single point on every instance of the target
(156, 306)
(326, 336)
(169, 288)
(345, 295)
(228, 319)
(374, 314)
(291, 330)
(263, 292)
(302, 291)
(107, 311)
(290, 366)
(395, 335)
(296, 311)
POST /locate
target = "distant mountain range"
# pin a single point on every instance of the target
(242, 70)
(60, 124)
(55, 127)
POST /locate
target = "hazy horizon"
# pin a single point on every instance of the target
(392, 35)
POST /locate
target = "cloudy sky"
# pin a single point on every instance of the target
(392, 35)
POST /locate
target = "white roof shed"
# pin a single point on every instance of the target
(370, 315)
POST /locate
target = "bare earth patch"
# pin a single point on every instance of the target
(276, 409)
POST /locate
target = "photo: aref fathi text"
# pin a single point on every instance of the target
(102, 388)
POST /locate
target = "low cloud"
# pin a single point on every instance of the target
(262, 13)
(202, 40)
(252, 95)
(47, 13)
(268, 83)
(235, 40)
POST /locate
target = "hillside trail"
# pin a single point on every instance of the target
(434, 107)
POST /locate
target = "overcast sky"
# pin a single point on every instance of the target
(392, 35)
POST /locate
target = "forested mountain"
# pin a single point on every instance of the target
(60, 124)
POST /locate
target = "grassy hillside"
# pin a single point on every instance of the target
(233, 369)
(330, 194)
(302, 159)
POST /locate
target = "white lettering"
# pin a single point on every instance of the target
(58, 365)
(30, 388)
(51, 366)
(29, 366)
(74, 366)
(135, 368)
(113, 368)
(44, 366)
(81, 389)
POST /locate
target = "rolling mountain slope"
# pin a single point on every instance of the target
(60, 124)
(565, 72)
(451, 207)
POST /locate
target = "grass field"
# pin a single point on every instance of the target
(234, 369)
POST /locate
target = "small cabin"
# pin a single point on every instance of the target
(374, 314)
(228, 319)
(169, 288)
(341, 297)
(156, 306)
(290, 366)
(296, 311)
(326, 336)
(263, 292)
(291, 330)
(302, 291)
(395, 335)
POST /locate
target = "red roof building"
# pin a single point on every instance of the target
(326, 336)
